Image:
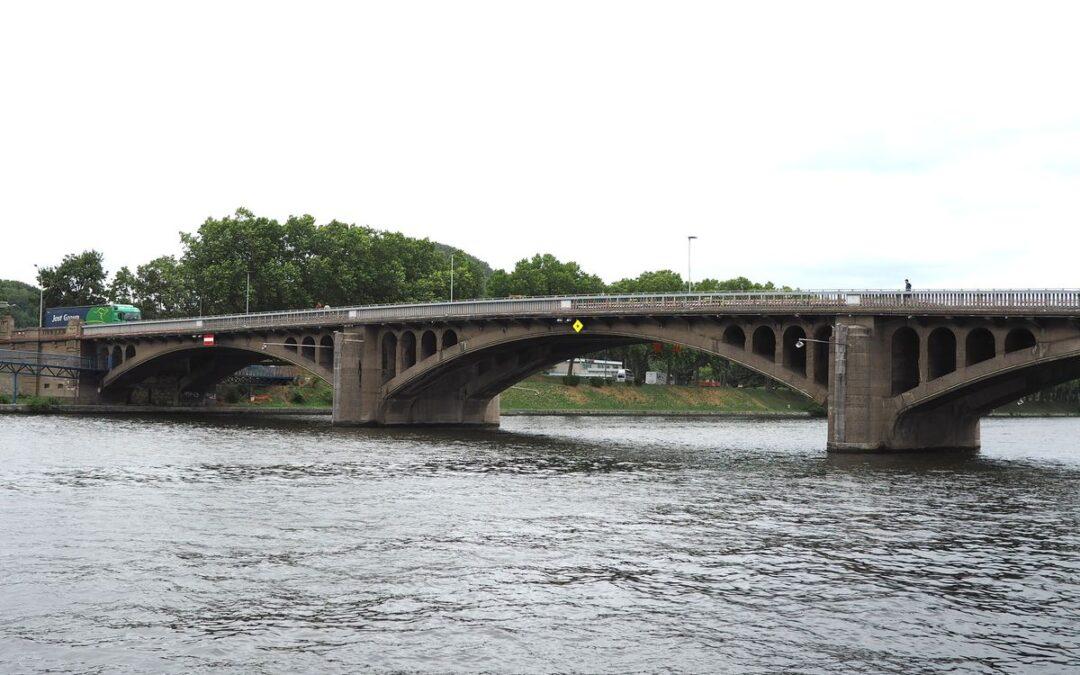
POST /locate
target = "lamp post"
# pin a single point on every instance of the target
(247, 294)
(689, 285)
(451, 276)
(41, 303)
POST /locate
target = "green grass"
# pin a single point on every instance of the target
(548, 393)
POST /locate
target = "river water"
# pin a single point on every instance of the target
(554, 544)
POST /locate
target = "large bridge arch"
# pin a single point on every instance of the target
(482, 363)
(945, 411)
(195, 366)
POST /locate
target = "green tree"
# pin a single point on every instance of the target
(660, 281)
(544, 275)
(79, 279)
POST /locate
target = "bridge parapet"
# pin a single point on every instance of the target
(1057, 302)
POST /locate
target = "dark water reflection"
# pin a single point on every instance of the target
(556, 544)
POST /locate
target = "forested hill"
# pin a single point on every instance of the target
(25, 299)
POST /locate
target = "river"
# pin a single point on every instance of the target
(555, 544)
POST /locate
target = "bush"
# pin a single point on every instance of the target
(39, 404)
(326, 397)
(298, 398)
(232, 395)
(4, 399)
(817, 410)
(597, 382)
(571, 380)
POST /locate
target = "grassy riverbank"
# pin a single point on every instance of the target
(549, 393)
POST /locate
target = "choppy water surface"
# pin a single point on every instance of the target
(556, 544)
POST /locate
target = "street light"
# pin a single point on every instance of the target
(41, 302)
(689, 285)
(451, 276)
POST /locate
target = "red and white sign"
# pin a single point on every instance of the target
(208, 340)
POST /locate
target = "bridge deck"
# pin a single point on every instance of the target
(1030, 302)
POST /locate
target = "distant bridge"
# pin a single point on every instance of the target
(896, 370)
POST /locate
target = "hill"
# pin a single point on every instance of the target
(24, 297)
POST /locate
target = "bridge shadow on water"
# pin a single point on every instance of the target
(552, 446)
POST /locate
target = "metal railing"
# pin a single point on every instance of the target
(46, 359)
(1066, 301)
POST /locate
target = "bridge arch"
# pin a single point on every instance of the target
(449, 338)
(428, 343)
(326, 351)
(734, 335)
(979, 346)
(795, 349)
(388, 357)
(495, 360)
(408, 349)
(764, 342)
(1019, 338)
(952, 404)
(307, 348)
(941, 350)
(194, 366)
(905, 359)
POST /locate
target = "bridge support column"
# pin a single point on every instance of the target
(851, 391)
(348, 364)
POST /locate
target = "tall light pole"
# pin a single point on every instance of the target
(689, 285)
(41, 303)
(247, 294)
(451, 276)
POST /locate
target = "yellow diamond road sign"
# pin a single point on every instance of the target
(578, 325)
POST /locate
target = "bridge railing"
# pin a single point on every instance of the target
(52, 360)
(1066, 300)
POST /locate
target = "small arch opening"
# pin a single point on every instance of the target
(129, 353)
(449, 339)
(980, 346)
(326, 352)
(117, 356)
(795, 357)
(427, 344)
(1019, 338)
(821, 354)
(905, 360)
(307, 348)
(408, 349)
(735, 336)
(290, 344)
(941, 349)
(389, 357)
(765, 342)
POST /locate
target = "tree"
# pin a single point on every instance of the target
(79, 279)
(22, 302)
(122, 288)
(544, 275)
(660, 281)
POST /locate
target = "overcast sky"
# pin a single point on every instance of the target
(811, 143)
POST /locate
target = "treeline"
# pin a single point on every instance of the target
(300, 264)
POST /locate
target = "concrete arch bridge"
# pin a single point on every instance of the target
(896, 370)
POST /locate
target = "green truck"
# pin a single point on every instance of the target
(58, 317)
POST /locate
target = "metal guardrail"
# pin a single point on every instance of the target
(840, 301)
(46, 359)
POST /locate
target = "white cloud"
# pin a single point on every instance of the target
(807, 143)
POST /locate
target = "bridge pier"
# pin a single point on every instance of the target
(863, 403)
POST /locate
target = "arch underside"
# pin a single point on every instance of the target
(193, 368)
(962, 399)
(485, 370)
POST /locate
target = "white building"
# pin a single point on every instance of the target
(589, 368)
